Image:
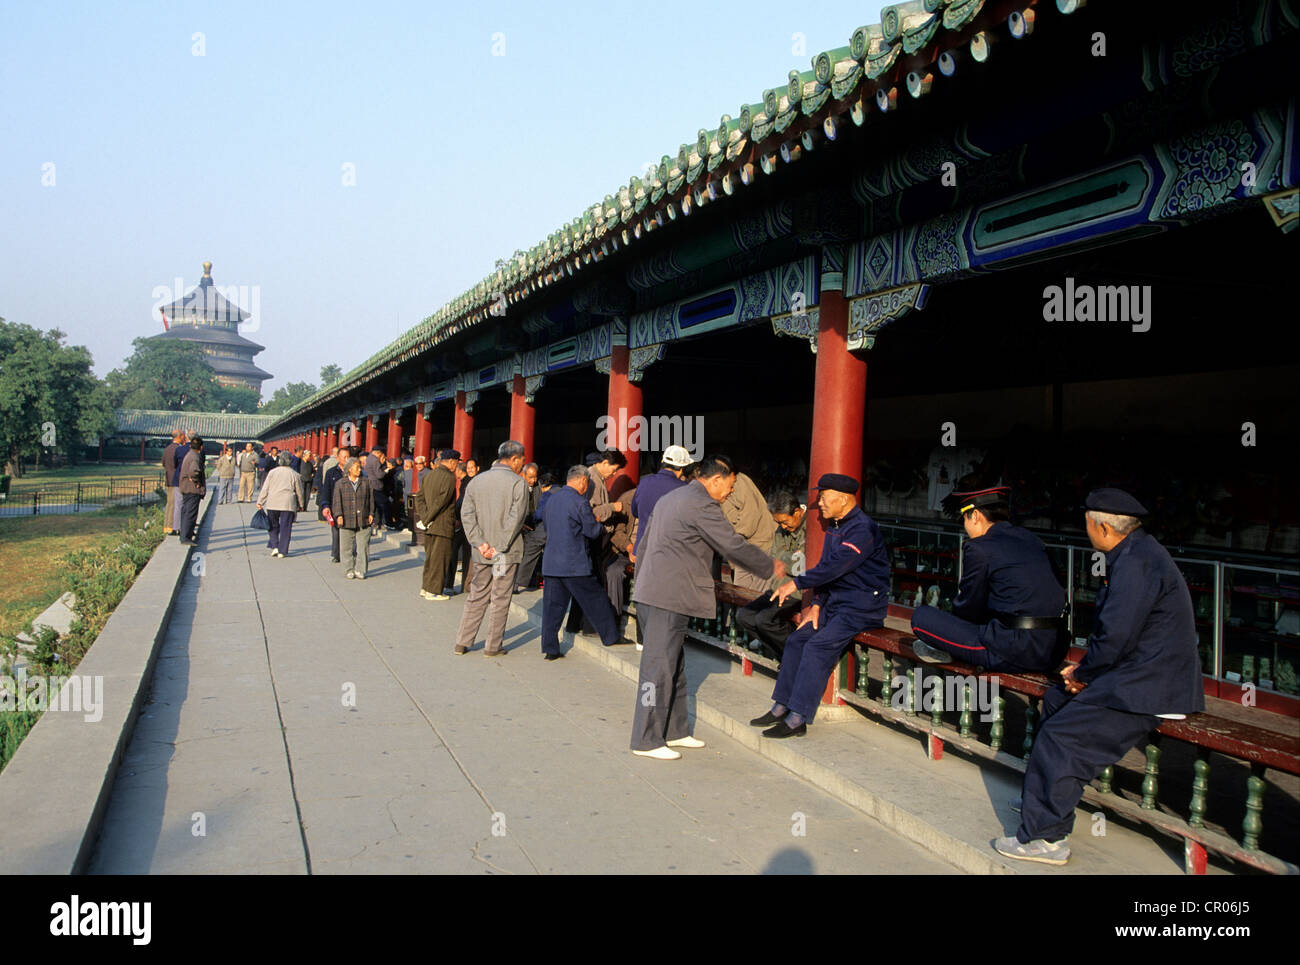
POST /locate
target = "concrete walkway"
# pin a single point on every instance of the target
(301, 722)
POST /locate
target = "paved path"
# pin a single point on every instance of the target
(442, 763)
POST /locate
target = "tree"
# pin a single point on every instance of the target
(235, 398)
(286, 397)
(49, 397)
(171, 375)
(329, 374)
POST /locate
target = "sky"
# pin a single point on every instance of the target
(142, 139)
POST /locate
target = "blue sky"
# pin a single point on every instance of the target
(163, 159)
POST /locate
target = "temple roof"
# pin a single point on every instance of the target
(204, 302)
(236, 368)
(855, 83)
(211, 335)
(209, 425)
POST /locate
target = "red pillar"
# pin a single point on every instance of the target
(331, 437)
(423, 430)
(394, 435)
(523, 418)
(624, 403)
(839, 415)
(462, 429)
(372, 434)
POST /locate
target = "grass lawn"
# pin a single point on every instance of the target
(92, 472)
(30, 547)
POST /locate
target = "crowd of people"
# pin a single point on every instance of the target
(513, 528)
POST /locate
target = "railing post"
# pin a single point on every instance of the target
(1031, 717)
(963, 727)
(1253, 825)
(996, 731)
(1107, 775)
(1200, 787)
(887, 681)
(78, 504)
(862, 686)
(1151, 782)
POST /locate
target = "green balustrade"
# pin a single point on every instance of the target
(1151, 782)
(1106, 777)
(1253, 824)
(964, 721)
(936, 707)
(997, 730)
(1031, 718)
(910, 704)
(1200, 787)
(863, 684)
(887, 682)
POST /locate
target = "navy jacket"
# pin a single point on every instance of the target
(1142, 654)
(1007, 571)
(539, 517)
(570, 523)
(853, 573)
(648, 491)
(178, 456)
(325, 495)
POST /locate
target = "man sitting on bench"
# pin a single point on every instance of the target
(1008, 610)
(1141, 665)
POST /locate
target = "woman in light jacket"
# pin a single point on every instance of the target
(281, 497)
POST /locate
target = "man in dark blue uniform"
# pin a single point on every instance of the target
(1008, 610)
(851, 594)
(1141, 665)
(566, 564)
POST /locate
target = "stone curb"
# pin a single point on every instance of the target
(55, 790)
(959, 853)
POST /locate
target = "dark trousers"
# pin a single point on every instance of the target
(615, 574)
(381, 507)
(660, 714)
(534, 546)
(277, 537)
(769, 622)
(990, 645)
(459, 553)
(810, 656)
(437, 556)
(189, 513)
(1077, 740)
(556, 595)
(334, 544)
(953, 635)
(410, 518)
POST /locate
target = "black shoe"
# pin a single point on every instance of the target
(553, 656)
(766, 720)
(334, 559)
(780, 730)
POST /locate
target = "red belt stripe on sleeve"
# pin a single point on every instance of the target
(852, 547)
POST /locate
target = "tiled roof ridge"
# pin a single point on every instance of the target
(871, 61)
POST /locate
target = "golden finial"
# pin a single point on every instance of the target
(207, 269)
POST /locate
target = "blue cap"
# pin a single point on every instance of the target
(838, 482)
(1115, 501)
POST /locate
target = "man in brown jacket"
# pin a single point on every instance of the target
(435, 506)
(746, 510)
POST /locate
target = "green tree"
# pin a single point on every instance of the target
(170, 375)
(50, 399)
(235, 398)
(329, 374)
(286, 397)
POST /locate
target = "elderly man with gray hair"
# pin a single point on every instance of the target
(493, 518)
(1141, 664)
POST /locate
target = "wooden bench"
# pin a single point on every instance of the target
(898, 703)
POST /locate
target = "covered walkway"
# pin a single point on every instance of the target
(248, 739)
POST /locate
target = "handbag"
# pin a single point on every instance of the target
(259, 520)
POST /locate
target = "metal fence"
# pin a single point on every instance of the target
(60, 499)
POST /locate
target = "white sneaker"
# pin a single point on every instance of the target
(360, 575)
(351, 575)
(659, 753)
(275, 553)
(687, 741)
(439, 597)
(640, 647)
(426, 595)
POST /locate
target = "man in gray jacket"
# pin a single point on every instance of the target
(492, 517)
(673, 583)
